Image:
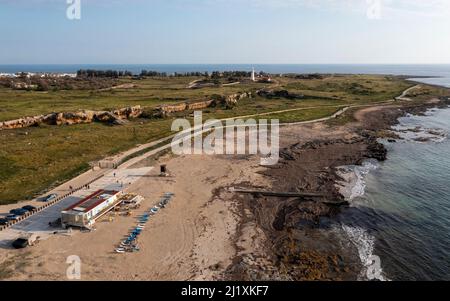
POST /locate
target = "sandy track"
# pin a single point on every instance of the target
(404, 97)
(187, 240)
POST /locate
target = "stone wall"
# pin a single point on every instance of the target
(228, 101)
(165, 110)
(235, 98)
(80, 117)
(22, 122)
(119, 116)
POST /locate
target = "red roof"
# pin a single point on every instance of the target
(92, 201)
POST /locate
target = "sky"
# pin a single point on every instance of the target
(225, 32)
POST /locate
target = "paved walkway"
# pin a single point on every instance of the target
(38, 223)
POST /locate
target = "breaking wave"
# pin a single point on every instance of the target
(420, 134)
(365, 244)
(353, 185)
(411, 129)
(353, 182)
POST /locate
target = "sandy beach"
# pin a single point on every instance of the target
(191, 239)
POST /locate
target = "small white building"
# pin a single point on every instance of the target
(84, 213)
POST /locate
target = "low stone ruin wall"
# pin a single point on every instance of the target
(69, 118)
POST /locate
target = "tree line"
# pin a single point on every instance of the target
(103, 73)
(90, 73)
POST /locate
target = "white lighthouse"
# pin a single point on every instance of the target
(253, 75)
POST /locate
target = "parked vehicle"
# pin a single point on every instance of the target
(56, 223)
(20, 243)
(3, 221)
(18, 211)
(25, 241)
(50, 197)
(29, 208)
(12, 217)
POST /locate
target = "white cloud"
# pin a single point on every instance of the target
(389, 8)
(431, 8)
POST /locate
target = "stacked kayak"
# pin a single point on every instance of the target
(130, 244)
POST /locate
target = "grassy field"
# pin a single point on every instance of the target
(303, 115)
(34, 159)
(148, 93)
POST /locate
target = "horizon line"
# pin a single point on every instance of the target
(168, 64)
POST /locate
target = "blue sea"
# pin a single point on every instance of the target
(403, 217)
(440, 73)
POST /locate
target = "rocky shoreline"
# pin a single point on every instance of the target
(299, 244)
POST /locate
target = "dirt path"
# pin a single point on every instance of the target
(333, 116)
(406, 92)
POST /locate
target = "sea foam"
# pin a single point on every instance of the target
(353, 182)
(365, 244)
(411, 129)
(353, 185)
(420, 134)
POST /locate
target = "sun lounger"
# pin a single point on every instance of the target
(130, 242)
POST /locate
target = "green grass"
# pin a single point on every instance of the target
(343, 119)
(425, 92)
(49, 155)
(352, 88)
(149, 93)
(303, 115)
(34, 159)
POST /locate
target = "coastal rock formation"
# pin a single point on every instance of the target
(118, 116)
(300, 233)
(296, 227)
